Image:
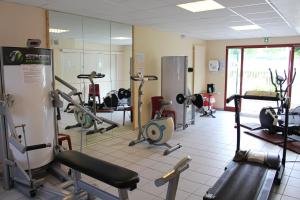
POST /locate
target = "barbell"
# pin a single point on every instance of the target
(195, 99)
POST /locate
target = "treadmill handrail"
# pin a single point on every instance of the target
(252, 97)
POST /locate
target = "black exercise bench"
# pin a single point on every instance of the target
(116, 176)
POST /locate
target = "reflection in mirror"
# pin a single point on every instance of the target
(82, 45)
(121, 45)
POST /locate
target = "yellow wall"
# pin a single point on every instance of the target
(217, 50)
(154, 44)
(18, 23)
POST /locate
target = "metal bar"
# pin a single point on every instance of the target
(73, 89)
(4, 155)
(27, 156)
(172, 188)
(171, 148)
(96, 118)
(96, 191)
(123, 194)
(237, 120)
(4, 132)
(140, 110)
(286, 130)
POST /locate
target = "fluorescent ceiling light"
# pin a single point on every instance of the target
(246, 27)
(56, 30)
(121, 38)
(200, 6)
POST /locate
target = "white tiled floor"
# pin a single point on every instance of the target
(210, 143)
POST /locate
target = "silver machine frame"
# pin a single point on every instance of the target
(174, 81)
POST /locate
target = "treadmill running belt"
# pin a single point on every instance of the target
(242, 181)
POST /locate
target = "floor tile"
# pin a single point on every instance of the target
(292, 191)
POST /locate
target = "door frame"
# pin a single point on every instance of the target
(242, 47)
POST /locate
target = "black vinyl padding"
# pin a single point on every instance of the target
(106, 172)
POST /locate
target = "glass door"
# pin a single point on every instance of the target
(256, 75)
(233, 73)
(295, 94)
(247, 69)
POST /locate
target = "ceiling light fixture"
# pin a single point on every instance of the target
(121, 38)
(56, 30)
(246, 27)
(200, 6)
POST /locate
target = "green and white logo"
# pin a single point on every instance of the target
(16, 56)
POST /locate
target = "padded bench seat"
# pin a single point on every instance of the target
(106, 172)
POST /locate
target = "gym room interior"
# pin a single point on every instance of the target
(150, 99)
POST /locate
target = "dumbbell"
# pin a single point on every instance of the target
(123, 93)
(195, 99)
(111, 100)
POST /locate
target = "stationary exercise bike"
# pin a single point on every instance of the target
(157, 131)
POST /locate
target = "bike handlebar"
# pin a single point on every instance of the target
(144, 78)
(91, 75)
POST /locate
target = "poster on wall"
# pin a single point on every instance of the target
(213, 65)
(140, 63)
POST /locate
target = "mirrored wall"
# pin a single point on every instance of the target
(82, 45)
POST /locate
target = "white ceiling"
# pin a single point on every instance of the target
(276, 17)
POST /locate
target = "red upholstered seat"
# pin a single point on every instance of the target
(155, 101)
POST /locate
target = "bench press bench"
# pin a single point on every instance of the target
(121, 178)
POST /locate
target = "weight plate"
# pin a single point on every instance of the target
(180, 98)
(198, 102)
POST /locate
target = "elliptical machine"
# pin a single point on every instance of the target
(84, 120)
(271, 119)
(157, 131)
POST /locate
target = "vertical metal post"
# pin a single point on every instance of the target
(286, 129)
(172, 188)
(140, 109)
(27, 156)
(237, 99)
(193, 115)
(4, 154)
(123, 194)
(94, 101)
(76, 177)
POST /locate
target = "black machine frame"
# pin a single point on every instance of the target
(265, 176)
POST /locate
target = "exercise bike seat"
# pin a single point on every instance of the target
(106, 172)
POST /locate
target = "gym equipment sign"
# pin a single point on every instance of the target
(18, 56)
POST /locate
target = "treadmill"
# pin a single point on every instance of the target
(249, 175)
